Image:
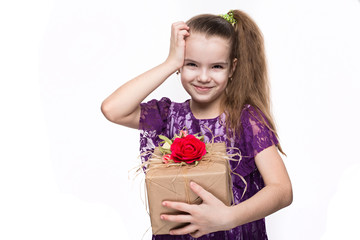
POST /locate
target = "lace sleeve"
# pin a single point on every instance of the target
(153, 118)
(257, 135)
(154, 114)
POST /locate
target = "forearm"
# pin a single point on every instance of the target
(126, 99)
(267, 201)
(123, 106)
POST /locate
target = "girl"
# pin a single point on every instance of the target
(222, 65)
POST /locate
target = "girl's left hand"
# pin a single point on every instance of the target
(211, 215)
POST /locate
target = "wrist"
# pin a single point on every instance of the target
(231, 221)
(173, 64)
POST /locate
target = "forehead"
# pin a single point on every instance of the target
(200, 46)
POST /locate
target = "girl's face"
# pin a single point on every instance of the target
(206, 69)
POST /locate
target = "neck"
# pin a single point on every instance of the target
(205, 111)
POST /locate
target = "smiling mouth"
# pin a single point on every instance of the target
(202, 88)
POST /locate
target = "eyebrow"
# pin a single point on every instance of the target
(216, 63)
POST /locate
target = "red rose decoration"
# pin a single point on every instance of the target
(187, 149)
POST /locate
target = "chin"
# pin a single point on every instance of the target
(202, 100)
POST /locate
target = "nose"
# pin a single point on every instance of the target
(204, 76)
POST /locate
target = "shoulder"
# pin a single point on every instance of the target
(155, 109)
(251, 115)
(256, 130)
(155, 102)
(165, 104)
(160, 114)
(164, 101)
(255, 123)
(156, 106)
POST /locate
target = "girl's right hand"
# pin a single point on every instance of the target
(179, 31)
(123, 105)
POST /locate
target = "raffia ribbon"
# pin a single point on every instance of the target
(182, 174)
(214, 153)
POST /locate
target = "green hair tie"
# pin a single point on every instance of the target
(229, 17)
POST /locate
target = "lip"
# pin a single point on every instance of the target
(202, 88)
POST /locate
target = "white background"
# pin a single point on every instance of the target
(64, 167)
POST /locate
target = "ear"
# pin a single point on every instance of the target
(233, 67)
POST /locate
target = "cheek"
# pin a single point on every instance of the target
(184, 82)
(223, 84)
(187, 76)
(188, 73)
(221, 78)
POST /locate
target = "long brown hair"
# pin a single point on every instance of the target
(249, 83)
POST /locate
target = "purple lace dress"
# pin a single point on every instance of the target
(167, 118)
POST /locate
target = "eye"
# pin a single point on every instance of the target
(218, 66)
(190, 64)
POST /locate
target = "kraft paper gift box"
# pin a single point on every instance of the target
(172, 183)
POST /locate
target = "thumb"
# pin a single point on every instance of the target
(201, 192)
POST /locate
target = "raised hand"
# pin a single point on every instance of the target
(179, 31)
(210, 216)
(123, 105)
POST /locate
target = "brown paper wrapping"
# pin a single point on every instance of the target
(172, 183)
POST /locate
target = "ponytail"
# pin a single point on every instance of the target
(250, 83)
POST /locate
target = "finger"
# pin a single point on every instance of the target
(183, 218)
(201, 192)
(178, 23)
(180, 26)
(182, 35)
(180, 32)
(183, 207)
(196, 234)
(184, 230)
(183, 32)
